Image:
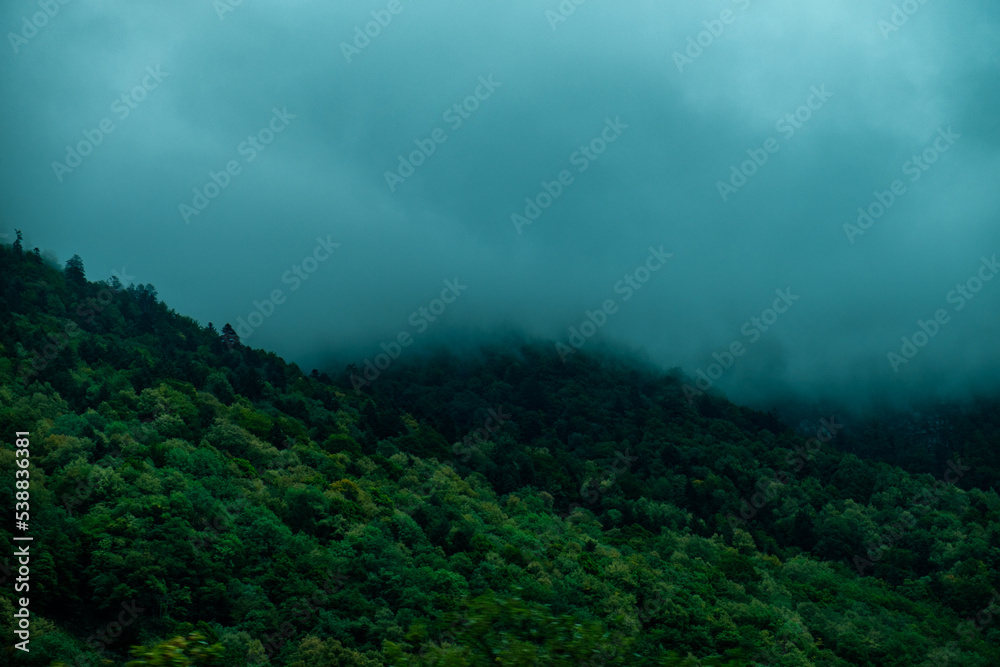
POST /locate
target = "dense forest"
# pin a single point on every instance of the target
(198, 502)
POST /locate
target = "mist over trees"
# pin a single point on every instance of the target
(200, 501)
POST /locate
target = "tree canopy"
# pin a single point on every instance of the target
(201, 503)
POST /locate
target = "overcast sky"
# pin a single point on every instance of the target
(719, 151)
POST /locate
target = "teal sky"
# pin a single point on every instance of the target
(384, 148)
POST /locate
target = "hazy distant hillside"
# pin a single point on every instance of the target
(192, 497)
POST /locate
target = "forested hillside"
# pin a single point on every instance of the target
(198, 502)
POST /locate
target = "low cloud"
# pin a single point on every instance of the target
(846, 151)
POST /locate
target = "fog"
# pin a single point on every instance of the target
(771, 195)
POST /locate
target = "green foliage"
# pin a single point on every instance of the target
(253, 515)
(188, 651)
(508, 631)
(341, 442)
(314, 652)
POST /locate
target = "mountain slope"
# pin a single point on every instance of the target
(192, 496)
